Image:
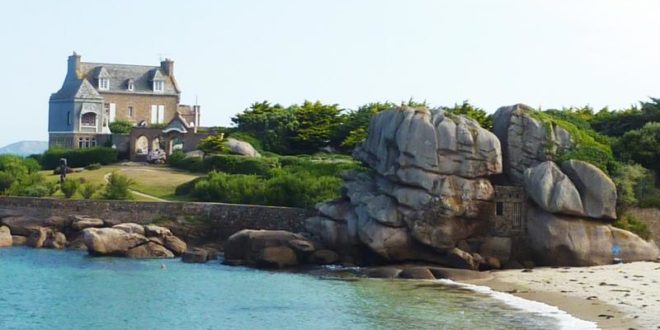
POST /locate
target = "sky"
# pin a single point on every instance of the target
(229, 54)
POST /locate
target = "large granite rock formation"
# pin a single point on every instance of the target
(527, 141)
(425, 191)
(267, 248)
(560, 240)
(241, 148)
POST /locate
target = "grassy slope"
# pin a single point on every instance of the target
(158, 181)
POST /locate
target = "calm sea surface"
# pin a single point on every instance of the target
(49, 289)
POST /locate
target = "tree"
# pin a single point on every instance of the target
(87, 190)
(272, 125)
(315, 124)
(213, 144)
(356, 123)
(641, 146)
(484, 119)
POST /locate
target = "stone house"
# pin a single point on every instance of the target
(95, 94)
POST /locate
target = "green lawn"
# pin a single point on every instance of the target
(158, 181)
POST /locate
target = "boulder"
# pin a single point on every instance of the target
(175, 244)
(5, 237)
(149, 250)
(417, 273)
(241, 148)
(527, 141)
(323, 257)
(559, 240)
(265, 248)
(18, 240)
(20, 225)
(58, 222)
(6, 213)
(195, 255)
(111, 241)
(597, 190)
(55, 240)
(130, 227)
(552, 190)
(156, 231)
(496, 247)
(80, 222)
(458, 258)
(276, 257)
(37, 236)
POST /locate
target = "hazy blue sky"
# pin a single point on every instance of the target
(229, 54)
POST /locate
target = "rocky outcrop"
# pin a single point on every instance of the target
(526, 140)
(241, 148)
(80, 222)
(425, 191)
(5, 237)
(134, 241)
(560, 240)
(272, 249)
(111, 241)
(149, 250)
(578, 188)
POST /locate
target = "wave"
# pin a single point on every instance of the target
(565, 320)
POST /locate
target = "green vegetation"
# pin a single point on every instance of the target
(484, 119)
(641, 146)
(21, 177)
(78, 157)
(632, 224)
(88, 189)
(118, 187)
(213, 144)
(121, 127)
(69, 187)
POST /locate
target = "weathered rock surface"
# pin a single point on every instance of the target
(175, 244)
(571, 241)
(149, 250)
(526, 141)
(156, 231)
(80, 222)
(266, 248)
(5, 237)
(498, 248)
(111, 241)
(55, 240)
(19, 225)
(426, 190)
(597, 190)
(195, 255)
(323, 257)
(37, 236)
(130, 227)
(416, 273)
(241, 148)
(578, 188)
(19, 240)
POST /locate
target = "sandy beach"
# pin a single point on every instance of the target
(622, 296)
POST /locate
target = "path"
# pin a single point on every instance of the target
(107, 175)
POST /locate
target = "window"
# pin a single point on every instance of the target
(158, 85)
(88, 119)
(131, 86)
(499, 208)
(93, 142)
(80, 143)
(68, 118)
(157, 114)
(104, 84)
(130, 111)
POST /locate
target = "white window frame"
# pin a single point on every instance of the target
(159, 86)
(131, 86)
(104, 84)
(112, 113)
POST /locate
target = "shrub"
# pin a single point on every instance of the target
(120, 127)
(630, 223)
(118, 187)
(69, 187)
(6, 179)
(93, 166)
(235, 164)
(78, 157)
(213, 144)
(87, 190)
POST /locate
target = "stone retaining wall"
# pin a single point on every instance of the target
(217, 219)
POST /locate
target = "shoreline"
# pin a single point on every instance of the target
(622, 296)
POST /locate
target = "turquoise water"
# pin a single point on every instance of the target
(50, 289)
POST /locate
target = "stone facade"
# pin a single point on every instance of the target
(509, 211)
(217, 220)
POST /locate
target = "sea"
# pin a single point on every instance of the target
(55, 289)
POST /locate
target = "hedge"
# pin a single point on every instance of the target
(78, 157)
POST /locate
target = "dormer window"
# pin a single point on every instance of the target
(104, 84)
(131, 85)
(158, 86)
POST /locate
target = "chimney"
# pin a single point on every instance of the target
(167, 66)
(197, 115)
(74, 64)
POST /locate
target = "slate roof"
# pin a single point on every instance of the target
(119, 76)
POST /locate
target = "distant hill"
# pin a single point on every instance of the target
(25, 148)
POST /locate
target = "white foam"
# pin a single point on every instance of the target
(566, 321)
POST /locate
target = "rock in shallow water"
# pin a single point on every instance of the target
(111, 241)
(149, 250)
(5, 237)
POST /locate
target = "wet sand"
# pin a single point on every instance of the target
(623, 296)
